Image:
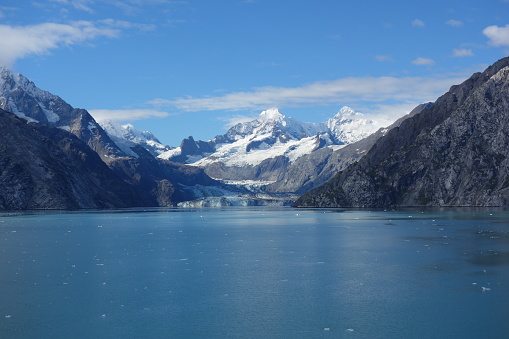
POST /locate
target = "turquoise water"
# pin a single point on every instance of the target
(255, 273)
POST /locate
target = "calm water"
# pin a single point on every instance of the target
(255, 273)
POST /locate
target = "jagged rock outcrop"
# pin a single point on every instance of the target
(453, 153)
(43, 167)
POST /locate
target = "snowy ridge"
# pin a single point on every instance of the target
(12, 82)
(272, 134)
(349, 126)
(126, 136)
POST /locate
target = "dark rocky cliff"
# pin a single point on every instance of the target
(453, 153)
(43, 167)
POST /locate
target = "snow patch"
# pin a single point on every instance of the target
(50, 115)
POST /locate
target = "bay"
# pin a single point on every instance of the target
(255, 273)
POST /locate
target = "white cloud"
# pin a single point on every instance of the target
(17, 42)
(418, 23)
(454, 23)
(463, 52)
(369, 91)
(423, 62)
(499, 36)
(127, 114)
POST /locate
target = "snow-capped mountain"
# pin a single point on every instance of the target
(272, 135)
(22, 97)
(127, 136)
(349, 126)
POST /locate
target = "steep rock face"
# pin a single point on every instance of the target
(454, 153)
(157, 182)
(42, 167)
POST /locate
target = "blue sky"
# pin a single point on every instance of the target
(180, 68)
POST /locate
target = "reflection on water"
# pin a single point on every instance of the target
(257, 272)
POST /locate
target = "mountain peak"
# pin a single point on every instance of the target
(271, 114)
(347, 112)
(4, 71)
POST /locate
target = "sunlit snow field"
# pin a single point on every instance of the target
(255, 273)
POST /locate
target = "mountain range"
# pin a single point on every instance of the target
(155, 182)
(447, 153)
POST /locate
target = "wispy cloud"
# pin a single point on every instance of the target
(17, 42)
(127, 25)
(384, 58)
(82, 5)
(372, 94)
(418, 23)
(463, 52)
(132, 7)
(454, 23)
(499, 36)
(4, 9)
(420, 61)
(127, 114)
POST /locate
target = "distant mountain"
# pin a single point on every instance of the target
(262, 149)
(156, 182)
(126, 137)
(453, 153)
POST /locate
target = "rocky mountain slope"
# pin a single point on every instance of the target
(155, 181)
(46, 167)
(453, 153)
